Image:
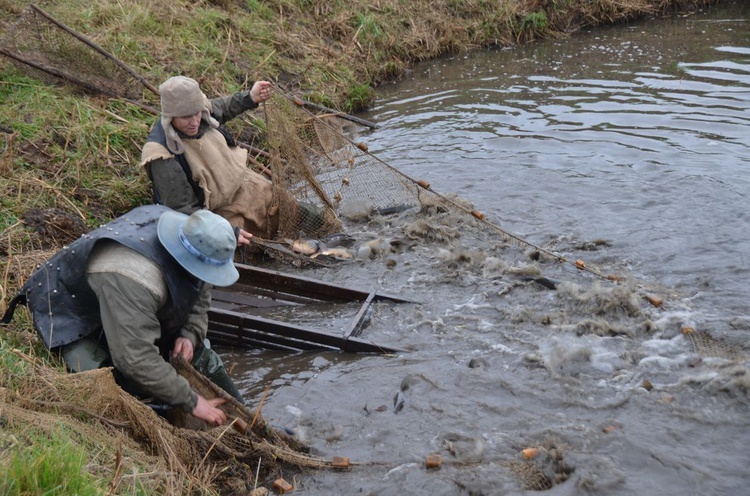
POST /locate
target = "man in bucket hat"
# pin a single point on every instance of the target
(133, 294)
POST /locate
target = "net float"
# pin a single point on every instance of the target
(433, 461)
(655, 300)
(529, 453)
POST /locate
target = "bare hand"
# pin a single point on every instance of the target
(184, 347)
(244, 238)
(261, 91)
(206, 410)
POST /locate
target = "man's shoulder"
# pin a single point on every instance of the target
(153, 151)
(156, 145)
(157, 133)
(139, 216)
(109, 256)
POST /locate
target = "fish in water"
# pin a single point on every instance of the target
(379, 247)
(398, 402)
(395, 209)
(337, 239)
(544, 281)
(304, 246)
(333, 245)
(338, 253)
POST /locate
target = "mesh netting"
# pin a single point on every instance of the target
(329, 175)
(226, 456)
(52, 52)
(530, 476)
(708, 346)
(545, 468)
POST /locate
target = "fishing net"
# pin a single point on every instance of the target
(97, 413)
(324, 177)
(706, 346)
(544, 468)
(319, 164)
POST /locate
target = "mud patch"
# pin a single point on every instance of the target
(54, 226)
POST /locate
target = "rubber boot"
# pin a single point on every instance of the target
(208, 363)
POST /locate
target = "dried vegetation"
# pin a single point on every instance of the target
(68, 157)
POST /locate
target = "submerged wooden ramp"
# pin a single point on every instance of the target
(277, 311)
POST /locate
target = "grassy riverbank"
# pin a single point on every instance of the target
(68, 159)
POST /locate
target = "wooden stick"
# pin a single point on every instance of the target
(74, 80)
(260, 405)
(300, 102)
(99, 49)
(263, 169)
(251, 148)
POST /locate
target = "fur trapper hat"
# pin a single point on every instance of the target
(181, 97)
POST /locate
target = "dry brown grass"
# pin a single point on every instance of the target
(68, 160)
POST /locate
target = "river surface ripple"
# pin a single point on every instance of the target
(627, 148)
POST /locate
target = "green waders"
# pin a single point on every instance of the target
(208, 363)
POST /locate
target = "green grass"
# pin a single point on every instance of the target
(367, 28)
(536, 22)
(358, 98)
(23, 97)
(258, 8)
(62, 149)
(52, 465)
(14, 367)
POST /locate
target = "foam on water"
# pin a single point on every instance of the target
(627, 149)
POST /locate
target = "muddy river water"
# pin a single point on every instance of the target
(627, 148)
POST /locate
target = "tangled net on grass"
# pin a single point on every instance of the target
(52, 52)
(183, 458)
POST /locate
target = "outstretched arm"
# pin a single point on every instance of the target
(226, 108)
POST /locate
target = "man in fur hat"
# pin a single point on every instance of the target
(135, 293)
(195, 163)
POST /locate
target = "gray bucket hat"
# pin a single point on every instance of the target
(203, 243)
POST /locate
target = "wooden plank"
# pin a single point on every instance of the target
(234, 318)
(247, 300)
(244, 322)
(359, 320)
(241, 336)
(271, 294)
(227, 335)
(304, 286)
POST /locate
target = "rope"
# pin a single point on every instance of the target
(578, 264)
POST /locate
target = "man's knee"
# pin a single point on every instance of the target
(85, 354)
